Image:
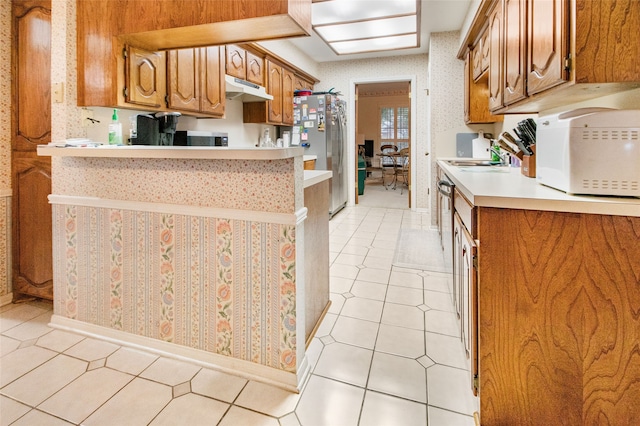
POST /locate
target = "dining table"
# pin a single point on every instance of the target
(398, 160)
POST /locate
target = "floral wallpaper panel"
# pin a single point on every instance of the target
(221, 285)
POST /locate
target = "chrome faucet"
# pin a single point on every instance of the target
(501, 154)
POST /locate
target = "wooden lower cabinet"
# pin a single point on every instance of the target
(316, 255)
(558, 318)
(469, 299)
(32, 226)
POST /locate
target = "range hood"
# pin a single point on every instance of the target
(245, 90)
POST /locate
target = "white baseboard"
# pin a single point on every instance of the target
(6, 299)
(291, 382)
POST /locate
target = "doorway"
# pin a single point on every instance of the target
(384, 111)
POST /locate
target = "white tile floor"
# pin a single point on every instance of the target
(387, 353)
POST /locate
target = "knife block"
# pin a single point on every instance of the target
(528, 167)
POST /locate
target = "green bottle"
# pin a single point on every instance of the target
(115, 130)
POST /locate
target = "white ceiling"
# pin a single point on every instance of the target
(436, 16)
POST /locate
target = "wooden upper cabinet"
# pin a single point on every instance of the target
(476, 61)
(274, 88)
(196, 80)
(515, 51)
(183, 69)
(104, 27)
(467, 86)
(484, 47)
(476, 95)
(547, 44)
(213, 86)
(281, 83)
(244, 64)
(255, 68)
(236, 61)
(495, 58)
(300, 83)
(288, 80)
(145, 77)
(480, 55)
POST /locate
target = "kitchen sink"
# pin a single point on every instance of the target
(472, 162)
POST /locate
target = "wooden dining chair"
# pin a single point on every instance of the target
(402, 169)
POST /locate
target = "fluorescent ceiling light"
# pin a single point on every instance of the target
(368, 29)
(376, 44)
(334, 11)
(356, 26)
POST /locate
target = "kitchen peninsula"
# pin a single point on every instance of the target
(195, 252)
(547, 285)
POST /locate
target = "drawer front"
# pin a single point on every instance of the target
(467, 212)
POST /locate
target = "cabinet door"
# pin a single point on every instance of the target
(300, 84)
(183, 79)
(484, 47)
(548, 44)
(467, 88)
(515, 54)
(495, 58)
(145, 77)
(470, 304)
(457, 269)
(255, 68)
(31, 253)
(236, 65)
(212, 81)
(274, 88)
(287, 97)
(476, 61)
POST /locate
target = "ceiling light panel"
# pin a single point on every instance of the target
(335, 11)
(371, 45)
(368, 29)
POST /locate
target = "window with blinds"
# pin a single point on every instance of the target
(394, 126)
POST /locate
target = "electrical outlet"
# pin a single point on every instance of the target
(86, 115)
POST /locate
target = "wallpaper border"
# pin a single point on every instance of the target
(246, 215)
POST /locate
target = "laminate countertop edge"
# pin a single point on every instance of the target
(507, 187)
(313, 177)
(172, 152)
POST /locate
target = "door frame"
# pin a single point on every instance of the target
(351, 126)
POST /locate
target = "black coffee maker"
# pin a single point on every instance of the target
(156, 129)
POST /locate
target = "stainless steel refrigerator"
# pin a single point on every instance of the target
(320, 124)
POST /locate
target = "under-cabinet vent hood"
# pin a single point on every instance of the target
(245, 90)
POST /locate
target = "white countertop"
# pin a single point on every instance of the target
(312, 177)
(506, 187)
(178, 152)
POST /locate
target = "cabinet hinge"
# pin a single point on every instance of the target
(567, 63)
(476, 382)
(125, 92)
(124, 52)
(475, 262)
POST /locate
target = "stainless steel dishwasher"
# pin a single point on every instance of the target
(445, 216)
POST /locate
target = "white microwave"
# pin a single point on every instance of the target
(593, 151)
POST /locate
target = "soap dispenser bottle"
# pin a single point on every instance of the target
(115, 130)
